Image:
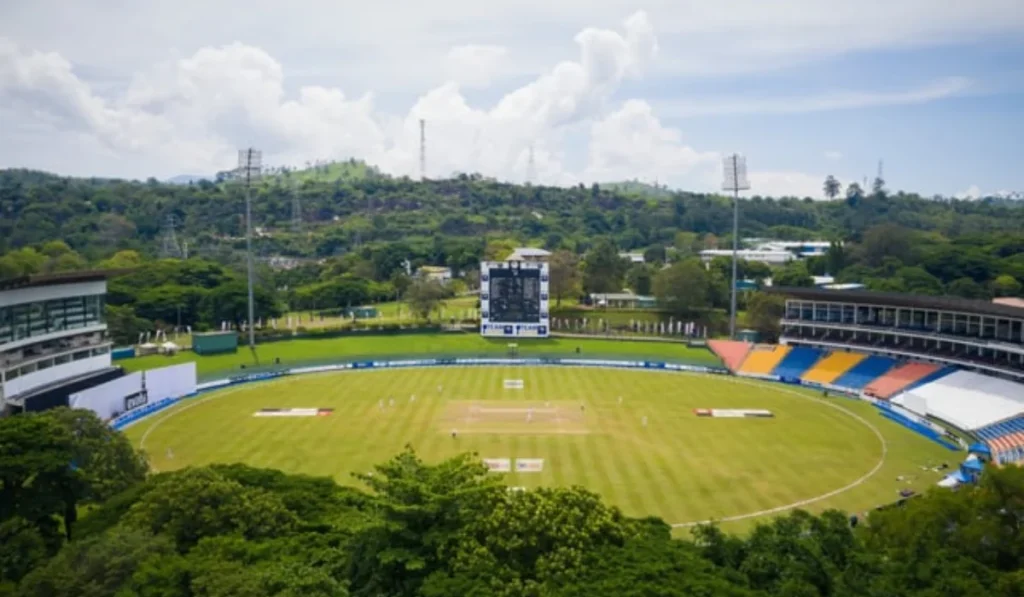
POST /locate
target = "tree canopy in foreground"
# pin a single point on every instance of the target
(450, 528)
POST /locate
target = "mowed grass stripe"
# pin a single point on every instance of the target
(681, 467)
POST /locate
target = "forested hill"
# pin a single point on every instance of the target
(97, 217)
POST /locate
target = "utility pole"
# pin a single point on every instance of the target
(735, 180)
(249, 164)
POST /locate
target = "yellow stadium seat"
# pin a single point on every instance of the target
(832, 367)
(763, 359)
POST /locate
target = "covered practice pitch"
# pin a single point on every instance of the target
(649, 454)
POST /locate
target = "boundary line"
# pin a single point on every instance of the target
(730, 378)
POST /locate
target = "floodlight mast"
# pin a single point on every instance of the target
(735, 180)
(249, 166)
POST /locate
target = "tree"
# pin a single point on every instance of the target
(854, 194)
(832, 187)
(36, 455)
(967, 288)
(793, 275)
(422, 509)
(1005, 285)
(764, 312)
(640, 279)
(564, 270)
(887, 240)
(655, 254)
(683, 288)
(202, 503)
(424, 296)
(122, 260)
(104, 461)
(230, 302)
(603, 269)
(835, 258)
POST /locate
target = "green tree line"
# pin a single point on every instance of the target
(414, 528)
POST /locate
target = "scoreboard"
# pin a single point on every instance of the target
(514, 299)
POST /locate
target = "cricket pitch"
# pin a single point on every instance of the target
(515, 417)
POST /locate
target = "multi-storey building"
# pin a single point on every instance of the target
(53, 339)
(979, 335)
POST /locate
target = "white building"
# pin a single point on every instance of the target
(53, 340)
(434, 272)
(632, 257)
(529, 254)
(767, 257)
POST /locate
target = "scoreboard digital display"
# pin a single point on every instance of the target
(514, 299)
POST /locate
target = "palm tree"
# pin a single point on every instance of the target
(832, 187)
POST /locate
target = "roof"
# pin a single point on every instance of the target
(529, 252)
(620, 296)
(896, 299)
(55, 279)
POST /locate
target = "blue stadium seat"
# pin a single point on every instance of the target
(865, 372)
(799, 360)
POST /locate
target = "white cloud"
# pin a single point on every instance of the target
(190, 111)
(833, 155)
(475, 65)
(839, 100)
(971, 193)
(188, 115)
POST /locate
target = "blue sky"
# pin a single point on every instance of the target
(601, 91)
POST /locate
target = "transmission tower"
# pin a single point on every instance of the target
(296, 208)
(170, 249)
(423, 149)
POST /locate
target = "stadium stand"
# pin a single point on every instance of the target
(899, 378)
(1005, 439)
(865, 372)
(763, 358)
(799, 360)
(732, 353)
(832, 367)
(965, 399)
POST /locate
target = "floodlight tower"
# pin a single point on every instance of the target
(249, 164)
(735, 180)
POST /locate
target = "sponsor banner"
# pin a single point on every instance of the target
(136, 400)
(293, 412)
(529, 465)
(256, 376)
(732, 413)
(363, 365)
(498, 465)
(514, 384)
(321, 368)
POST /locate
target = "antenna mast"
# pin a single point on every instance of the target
(170, 249)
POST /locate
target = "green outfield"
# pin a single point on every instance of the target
(330, 350)
(678, 466)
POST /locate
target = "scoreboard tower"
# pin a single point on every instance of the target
(514, 299)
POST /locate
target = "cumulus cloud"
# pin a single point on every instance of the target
(190, 114)
(475, 65)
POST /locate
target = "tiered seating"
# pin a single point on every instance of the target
(832, 367)
(732, 353)
(763, 359)
(967, 400)
(1005, 439)
(798, 360)
(865, 372)
(899, 378)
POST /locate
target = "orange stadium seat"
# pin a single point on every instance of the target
(899, 378)
(731, 352)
